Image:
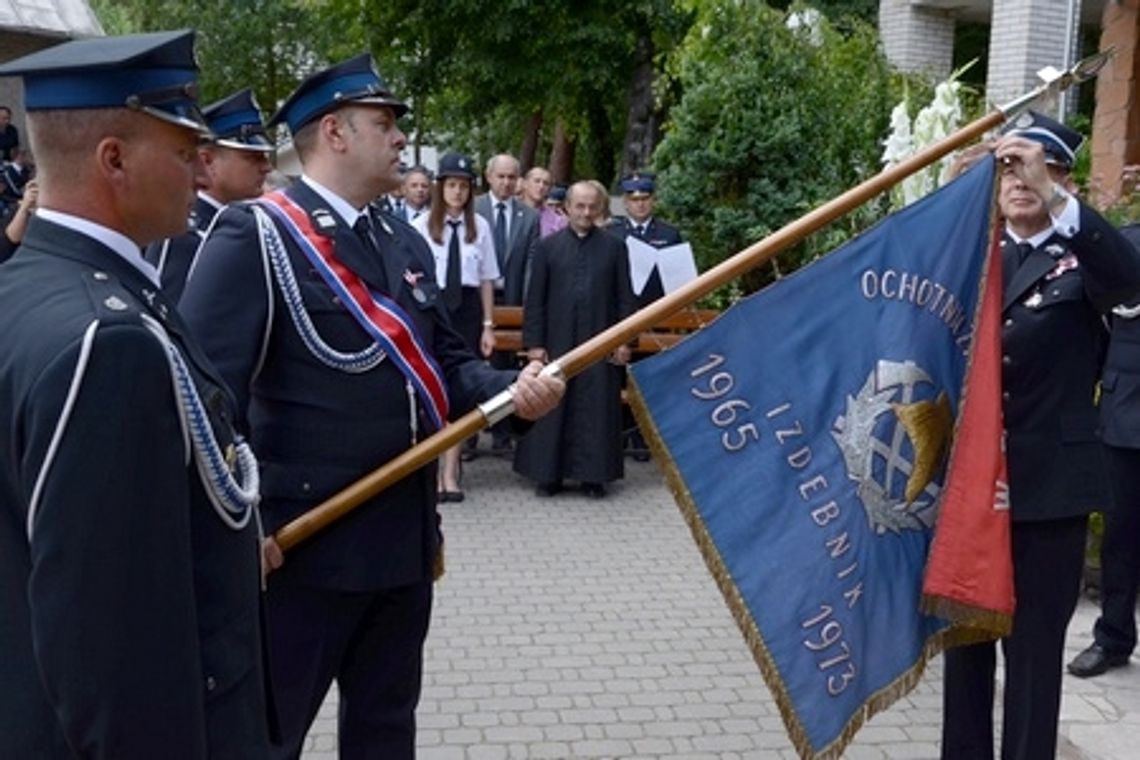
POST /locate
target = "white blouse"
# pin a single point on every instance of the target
(477, 260)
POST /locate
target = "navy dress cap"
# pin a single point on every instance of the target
(557, 193)
(353, 81)
(638, 183)
(455, 165)
(236, 123)
(1060, 142)
(155, 73)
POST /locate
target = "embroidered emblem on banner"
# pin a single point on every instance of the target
(379, 316)
(894, 437)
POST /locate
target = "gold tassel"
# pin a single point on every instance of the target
(437, 565)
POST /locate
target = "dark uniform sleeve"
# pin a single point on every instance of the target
(111, 592)
(1110, 265)
(226, 302)
(534, 310)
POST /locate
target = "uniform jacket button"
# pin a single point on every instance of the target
(211, 683)
(1006, 360)
(306, 487)
(1005, 396)
(1008, 322)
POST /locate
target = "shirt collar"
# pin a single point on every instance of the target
(113, 239)
(1033, 240)
(343, 208)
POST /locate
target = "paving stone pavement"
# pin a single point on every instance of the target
(573, 628)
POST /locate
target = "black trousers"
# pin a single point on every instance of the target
(1048, 558)
(1115, 630)
(371, 643)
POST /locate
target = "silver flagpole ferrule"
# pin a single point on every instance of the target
(498, 407)
(502, 404)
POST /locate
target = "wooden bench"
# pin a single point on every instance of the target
(666, 333)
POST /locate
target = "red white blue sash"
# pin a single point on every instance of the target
(378, 314)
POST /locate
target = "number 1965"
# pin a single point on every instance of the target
(714, 387)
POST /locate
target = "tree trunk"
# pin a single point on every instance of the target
(561, 155)
(642, 130)
(531, 131)
(600, 147)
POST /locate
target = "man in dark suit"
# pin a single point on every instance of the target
(515, 232)
(326, 320)
(1114, 635)
(129, 562)
(639, 222)
(235, 163)
(1063, 266)
(417, 193)
(514, 228)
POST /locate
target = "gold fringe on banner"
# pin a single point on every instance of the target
(875, 703)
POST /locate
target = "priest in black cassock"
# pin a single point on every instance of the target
(579, 286)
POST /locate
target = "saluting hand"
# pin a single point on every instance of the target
(536, 394)
(1026, 159)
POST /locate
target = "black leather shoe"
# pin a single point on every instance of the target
(1094, 661)
(547, 489)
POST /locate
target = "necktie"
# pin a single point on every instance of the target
(641, 230)
(501, 231)
(453, 291)
(363, 229)
(400, 209)
(1023, 251)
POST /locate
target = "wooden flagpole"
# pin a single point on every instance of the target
(604, 343)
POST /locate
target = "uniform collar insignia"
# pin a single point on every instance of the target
(323, 219)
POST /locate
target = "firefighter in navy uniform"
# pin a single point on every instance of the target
(1114, 635)
(639, 222)
(329, 395)
(1063, 267)
(235, 163)
(129, 553)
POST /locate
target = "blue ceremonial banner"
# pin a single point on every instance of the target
(806, 434)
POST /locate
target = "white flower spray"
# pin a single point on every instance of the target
(935, 121)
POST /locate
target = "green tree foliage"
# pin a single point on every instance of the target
(478, 72)
(771, 124)
(268, 45)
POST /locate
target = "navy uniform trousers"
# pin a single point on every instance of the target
(352, 603)
(1115, 630)
(1052, 343)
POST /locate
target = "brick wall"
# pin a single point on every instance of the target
(915, 38)
(1025, 36)
(1116, 126)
